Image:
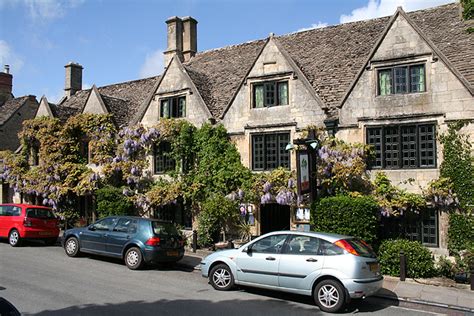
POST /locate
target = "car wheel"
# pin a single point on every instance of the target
(50, 241)
(221, 277)
(134, 258)
(71, 246)
(329, 295)
(14, 238)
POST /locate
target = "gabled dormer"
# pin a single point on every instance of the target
(95, 104)
(44, 108)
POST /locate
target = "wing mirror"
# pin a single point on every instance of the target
(247, 249)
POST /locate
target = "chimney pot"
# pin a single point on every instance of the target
(7, 69)
(73, 79)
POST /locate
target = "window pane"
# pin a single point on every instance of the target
(392, 149)
(270, 94)
(283, 140)
(303, 245)
(258, 152)
(164, 109)
(417, 78)
(271, 151)
(400, 76)
(374, 138)
(258, 96)
(409, 147)
(427, 145)
(283, 93)
(385, 82)
(182, 107)
(270, 244)
(162, 157)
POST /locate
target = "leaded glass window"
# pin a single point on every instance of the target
(399, 80)
(268, 151)
(403, 146)
(270, 93)
(173, 107)
(163, 159)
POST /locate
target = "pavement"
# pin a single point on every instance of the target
(431, 292)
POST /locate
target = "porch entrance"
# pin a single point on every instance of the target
(274, 217)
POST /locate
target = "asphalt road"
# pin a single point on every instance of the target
(40, 280)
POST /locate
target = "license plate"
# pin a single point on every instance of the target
(44, 233)
(172, 253)
(374, 266)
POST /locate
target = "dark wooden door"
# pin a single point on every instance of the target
(274, 217)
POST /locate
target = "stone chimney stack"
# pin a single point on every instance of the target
(73, 82)
(175, 39)
(6, 80)
(189, 37)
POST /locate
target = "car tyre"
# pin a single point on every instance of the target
(134, 258)
(329, 295)
(14, 238)
(221, 277)
(71, 246)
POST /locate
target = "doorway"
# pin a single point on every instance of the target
(274, 217)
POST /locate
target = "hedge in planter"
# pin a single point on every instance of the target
(354, 216)
(419, 260)
(111, 201)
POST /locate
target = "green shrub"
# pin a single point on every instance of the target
(218, 214)
(111, 201)
(460, 232)
(445, 267)
(419, 260)
(354, 216)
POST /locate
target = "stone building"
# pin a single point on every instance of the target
(13, 111)
(392, 82)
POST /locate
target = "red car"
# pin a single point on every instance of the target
(24, 221)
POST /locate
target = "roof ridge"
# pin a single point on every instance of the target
(125, 82)
(226, 48)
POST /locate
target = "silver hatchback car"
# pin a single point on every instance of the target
(332, 268)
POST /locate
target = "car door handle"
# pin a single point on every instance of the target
(270, 258)
(312, 260)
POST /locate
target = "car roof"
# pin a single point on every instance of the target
(327, 236)
(25, 205)
(138, 217)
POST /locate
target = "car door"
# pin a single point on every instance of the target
(3, 221)
(94, 237)
(120, 235)
(259, 265)
(300, 263)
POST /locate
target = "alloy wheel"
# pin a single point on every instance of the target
(222, 278)
(71, 246)
(328, 296)
(14, 238)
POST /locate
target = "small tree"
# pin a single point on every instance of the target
(111, 201)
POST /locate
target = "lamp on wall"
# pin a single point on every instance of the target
(289, 146)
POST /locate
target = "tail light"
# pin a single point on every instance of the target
(153, 241)
(27, 222)
(346, 246)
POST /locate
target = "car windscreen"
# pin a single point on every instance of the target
(362, 248)
(39, 213)
(164, 229)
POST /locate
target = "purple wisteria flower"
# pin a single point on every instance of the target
(267, 187)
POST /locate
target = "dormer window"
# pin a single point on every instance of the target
(270, 93)
(173, 107)
(401, 79)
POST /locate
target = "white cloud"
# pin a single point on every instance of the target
(9, 57)
(44, 10)
(314, 26)
(379, 8)
(153, 65)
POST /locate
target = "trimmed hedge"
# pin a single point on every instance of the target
(346, 215)
(460, 232)
(420, 263)
(111, 201)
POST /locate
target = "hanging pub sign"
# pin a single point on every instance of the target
(303, 172)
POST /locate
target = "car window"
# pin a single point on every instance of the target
(39, 213)
(303, 245)
(329, 249)
(10, 210)
(106, 224)
(270, 244)
(164, 229)
(3, 211)
(123, 225)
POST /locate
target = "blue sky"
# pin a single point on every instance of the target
(122, 40)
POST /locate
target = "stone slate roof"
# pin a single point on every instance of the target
(444, 27)
(10, 107)
(218, 73)
(329, 57)
(122, 100)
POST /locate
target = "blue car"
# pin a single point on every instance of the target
(137, 240)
